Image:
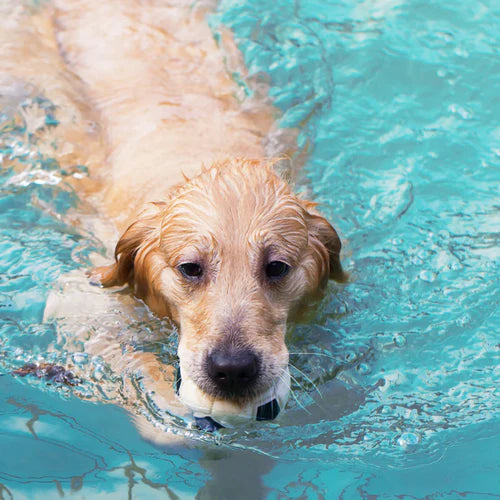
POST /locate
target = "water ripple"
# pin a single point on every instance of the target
(398, 372)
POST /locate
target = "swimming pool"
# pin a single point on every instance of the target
(396, 378)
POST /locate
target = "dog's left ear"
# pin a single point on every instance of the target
(131, 251)
(326, 240)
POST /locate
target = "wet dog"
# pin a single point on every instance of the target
(226, 251)
(230, 256)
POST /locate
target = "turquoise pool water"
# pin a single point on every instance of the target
(396, 392)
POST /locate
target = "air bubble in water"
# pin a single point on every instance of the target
(363, 368)
(408, 439)
(399, 340)
(428, 276)
(350, 356)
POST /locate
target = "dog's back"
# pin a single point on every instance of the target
(166, 100)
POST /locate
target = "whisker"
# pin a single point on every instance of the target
(299, 403)
(293, 393)
(298, 383)
(316, 354)
(308, 379)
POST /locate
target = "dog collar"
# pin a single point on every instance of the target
(266, 411)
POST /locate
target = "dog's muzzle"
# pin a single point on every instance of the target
(267, 410)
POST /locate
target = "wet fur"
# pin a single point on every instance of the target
(145, 96)
(234, 217)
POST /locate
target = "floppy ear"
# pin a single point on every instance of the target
(140, 237)
(327, 242)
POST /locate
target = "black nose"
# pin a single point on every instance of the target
(233, 371)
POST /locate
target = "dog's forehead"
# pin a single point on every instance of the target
(240, 196)
(231, 209)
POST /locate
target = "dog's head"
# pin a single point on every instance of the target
(230, 256)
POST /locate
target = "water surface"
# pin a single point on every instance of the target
(396, 378)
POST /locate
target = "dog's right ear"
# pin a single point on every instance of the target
(135, 243)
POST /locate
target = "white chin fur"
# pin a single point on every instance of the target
(227, 413)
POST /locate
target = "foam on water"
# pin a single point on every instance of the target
(396, 378)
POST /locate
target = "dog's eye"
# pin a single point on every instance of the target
(276, 269)
(191, 270)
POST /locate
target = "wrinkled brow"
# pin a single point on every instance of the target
(186, 246)
(285, 236)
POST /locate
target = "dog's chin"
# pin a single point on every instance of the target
(240, 396)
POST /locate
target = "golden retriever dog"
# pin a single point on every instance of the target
(230, 256)
(210, 234)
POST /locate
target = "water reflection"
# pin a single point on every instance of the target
(234, 474)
